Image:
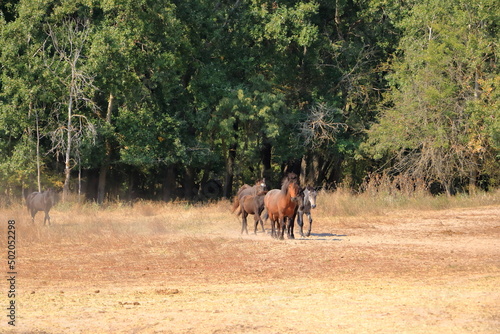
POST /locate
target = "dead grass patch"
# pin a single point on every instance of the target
(179, 268)
(343, 202)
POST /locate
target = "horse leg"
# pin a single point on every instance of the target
(244, 215)
(262, 225)
(291, 223)
(46, 218)
(282, 227)
(264, 219)
(258, 214)
(310, 224)
(33, 213)
(300, 222)
(256, 218)
(275, 226)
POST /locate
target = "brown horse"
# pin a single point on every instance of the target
(280, 205)
(252, 204)
(258, 187)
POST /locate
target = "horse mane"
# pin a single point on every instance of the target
(260, 181)
(243, 187)
(290, 178)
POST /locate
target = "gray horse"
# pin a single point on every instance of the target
(41, 201)
(307, 202)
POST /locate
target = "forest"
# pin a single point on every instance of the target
(190, 99)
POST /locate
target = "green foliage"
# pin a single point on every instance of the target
(228, 89)
(20, 166)
(431, 120)
(146, 140)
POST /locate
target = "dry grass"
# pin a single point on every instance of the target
(182, 268)
(81, 222)
(370, 203)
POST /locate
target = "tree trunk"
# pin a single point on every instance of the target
(38, 171)
(189, 183)
(228, 180)
(266, 155)
(101, 186)
(169, 185)
(67, 160)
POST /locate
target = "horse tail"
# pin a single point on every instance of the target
(265, 216)
(236, 204)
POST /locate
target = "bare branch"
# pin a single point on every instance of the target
(320, 127)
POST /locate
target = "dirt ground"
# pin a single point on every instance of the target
(403, 272)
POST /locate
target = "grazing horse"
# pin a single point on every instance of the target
(306, 203)
(252, 204)
(260, 186)
(280, 205)
(43, 201)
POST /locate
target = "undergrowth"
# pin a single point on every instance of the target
(380, 194)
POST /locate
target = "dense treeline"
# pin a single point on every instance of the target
(166, 98)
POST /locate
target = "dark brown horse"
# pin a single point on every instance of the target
(43, 201)
(280, 205)
(258, 187)
(254, 205)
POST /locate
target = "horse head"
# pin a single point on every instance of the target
(260, 185)
(310, 195)
(49, 197)
(293, 190)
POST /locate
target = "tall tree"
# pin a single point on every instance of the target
(26, 95)
(430, 122)
(69, 41)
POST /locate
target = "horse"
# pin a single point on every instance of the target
(280, 205)
(40, 201)
(306, 203)
(252, 204)
(258, 187)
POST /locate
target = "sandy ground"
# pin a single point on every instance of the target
(404, 272)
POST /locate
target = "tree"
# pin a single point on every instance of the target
(26, 95)
(135, 51)
(430, 121)
(68, 43)
(144, 96)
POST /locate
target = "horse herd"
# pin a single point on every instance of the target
(281, 206)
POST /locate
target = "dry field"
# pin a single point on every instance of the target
(178, 268)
